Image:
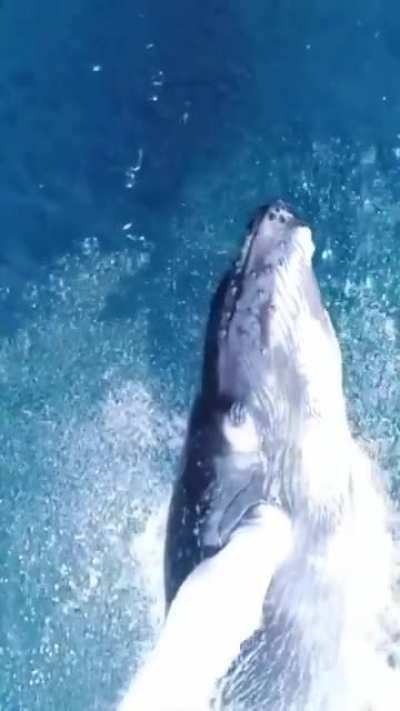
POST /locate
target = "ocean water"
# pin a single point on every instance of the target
(137, 138)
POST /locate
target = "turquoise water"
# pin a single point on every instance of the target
(136, 142)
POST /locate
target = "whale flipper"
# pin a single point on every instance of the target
(181, 672)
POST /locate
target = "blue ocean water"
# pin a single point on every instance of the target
(137, 137)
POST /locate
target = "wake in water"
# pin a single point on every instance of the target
(280, 559)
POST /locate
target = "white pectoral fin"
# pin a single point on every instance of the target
(217, 608)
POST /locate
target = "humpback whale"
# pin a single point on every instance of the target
(270, 504)
(267, 329)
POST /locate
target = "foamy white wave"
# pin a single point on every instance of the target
(147, 551)
(361, 566)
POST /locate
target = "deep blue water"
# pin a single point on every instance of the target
(137, 137)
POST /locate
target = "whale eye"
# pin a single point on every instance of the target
(239, 430)
(237, 414)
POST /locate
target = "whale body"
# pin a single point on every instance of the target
(272, 503)
(269, 346)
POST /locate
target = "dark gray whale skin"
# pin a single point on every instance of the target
(218, 487)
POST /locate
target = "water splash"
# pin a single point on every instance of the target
(90, 429)
(86, 455)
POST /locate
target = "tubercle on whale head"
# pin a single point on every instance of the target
(274, 236)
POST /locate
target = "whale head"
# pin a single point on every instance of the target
(274, 347)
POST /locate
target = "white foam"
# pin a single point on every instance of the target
(147, 551)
